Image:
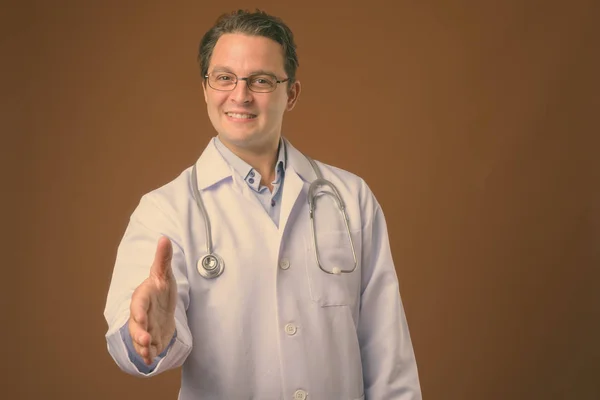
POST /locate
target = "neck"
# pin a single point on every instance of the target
(262, 158)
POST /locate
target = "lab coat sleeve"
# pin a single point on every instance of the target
(389, 365)
(135, 255)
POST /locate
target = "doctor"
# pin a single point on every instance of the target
(284, 318)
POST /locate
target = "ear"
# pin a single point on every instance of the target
(293, 94)
(204, 90)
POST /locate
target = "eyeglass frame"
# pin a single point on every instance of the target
(237, 79)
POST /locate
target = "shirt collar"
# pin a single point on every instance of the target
(245, 170)
(212, 167)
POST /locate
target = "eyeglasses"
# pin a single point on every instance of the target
(227, 81)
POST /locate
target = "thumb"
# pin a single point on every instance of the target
(161, 267)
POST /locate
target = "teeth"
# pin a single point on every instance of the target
(235, 115)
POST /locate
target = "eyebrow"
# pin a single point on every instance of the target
(221, 68)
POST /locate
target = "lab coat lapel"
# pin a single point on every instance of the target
(291, 190)
(298, 173)
(212, 167)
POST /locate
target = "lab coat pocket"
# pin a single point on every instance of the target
(334, 252)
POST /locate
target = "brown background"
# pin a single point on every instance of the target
(474, 122)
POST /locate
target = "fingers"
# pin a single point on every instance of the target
(161, 267)
(142, 342)
(147, 346)
(140, 304)
(138, 321)
(140, 338)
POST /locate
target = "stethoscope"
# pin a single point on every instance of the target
(212, 265)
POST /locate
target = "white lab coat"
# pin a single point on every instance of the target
(273, 326)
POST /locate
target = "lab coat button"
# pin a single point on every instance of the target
(291, 329)
(284, 263)
(300, 395)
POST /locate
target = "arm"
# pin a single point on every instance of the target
(389, 365)
(135, 256)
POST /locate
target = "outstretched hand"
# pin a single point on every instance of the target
(152, 309)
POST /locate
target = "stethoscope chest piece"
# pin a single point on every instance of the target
(210, 266)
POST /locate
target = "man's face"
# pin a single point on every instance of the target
(241, 117)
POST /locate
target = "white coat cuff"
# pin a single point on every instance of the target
(175, 356)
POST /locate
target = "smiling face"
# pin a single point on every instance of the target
(243, 118)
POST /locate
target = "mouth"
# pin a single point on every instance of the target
(240, 115)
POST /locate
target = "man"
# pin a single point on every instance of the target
(303, 308)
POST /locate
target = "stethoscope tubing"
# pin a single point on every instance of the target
(212, 265)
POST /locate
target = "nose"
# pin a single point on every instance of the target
(241, 94)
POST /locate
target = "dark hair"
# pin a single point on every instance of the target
(256, 23)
